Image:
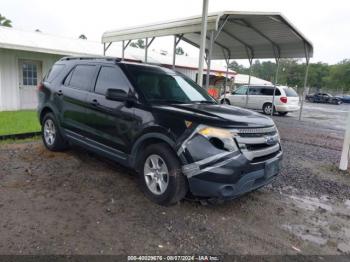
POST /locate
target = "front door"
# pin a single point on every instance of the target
(30, 74)
(110, 122)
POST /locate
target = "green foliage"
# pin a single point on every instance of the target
(5, 22)
(82, 36)
(292, 72)
(179, 51)
(16, 122)
(138, 44)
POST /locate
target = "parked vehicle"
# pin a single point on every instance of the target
(260, 98)
(323, 98)
(345, 99)
(159, 123)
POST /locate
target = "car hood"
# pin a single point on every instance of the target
(217, 115)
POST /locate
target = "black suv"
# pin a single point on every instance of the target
(160, 123)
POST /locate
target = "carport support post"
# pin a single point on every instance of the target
(202, 42)
(225, 84)
(146, 50)
(123, 49)
(275, 84)
(209, 60)
(174, 52)
(249, 79)
(305, 83)
(344, 159)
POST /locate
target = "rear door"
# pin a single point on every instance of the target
(110, 122)
(74, 92)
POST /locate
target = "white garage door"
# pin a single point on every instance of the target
(30, 75)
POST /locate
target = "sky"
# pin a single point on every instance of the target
(325, 23)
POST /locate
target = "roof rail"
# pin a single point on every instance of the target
(106, 58)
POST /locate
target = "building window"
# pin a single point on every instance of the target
(30, 74)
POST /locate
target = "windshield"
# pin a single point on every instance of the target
(290, 92)
(160, 87)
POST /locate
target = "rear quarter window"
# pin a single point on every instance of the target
(53, 73)
(290, 92)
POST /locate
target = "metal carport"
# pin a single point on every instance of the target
(230, 35)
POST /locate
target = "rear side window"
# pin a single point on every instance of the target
(82, 77)
(54, 72)
(269, 92)
(110, 78)
(290, 92)
(254, 91)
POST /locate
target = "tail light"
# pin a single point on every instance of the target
(283, 99)
(40, 87)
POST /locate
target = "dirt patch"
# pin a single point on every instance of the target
(78, 203)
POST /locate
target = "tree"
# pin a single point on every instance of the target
(179, 51)
(237, 67)
(82, 36)
(5, 22)
(138, 44)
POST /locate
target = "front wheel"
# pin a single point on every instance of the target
(51, 134)
(160, 175)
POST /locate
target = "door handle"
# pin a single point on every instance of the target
(94, 102)
(59, 93)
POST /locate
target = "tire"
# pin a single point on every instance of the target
(312, 100)
(51, 135)
(338, 102)
(267, 107)
(175, 184)
(225, 101)
(282, 113)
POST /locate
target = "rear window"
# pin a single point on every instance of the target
(290, 92)
(54, 72)
(269, 91)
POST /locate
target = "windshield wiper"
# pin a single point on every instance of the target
(204, 102)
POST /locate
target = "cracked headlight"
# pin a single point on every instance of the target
(220, 137)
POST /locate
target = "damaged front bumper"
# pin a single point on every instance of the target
(215, 173)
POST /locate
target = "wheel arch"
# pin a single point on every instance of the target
(145, 140)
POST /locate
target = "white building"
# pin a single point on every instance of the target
(25, 57)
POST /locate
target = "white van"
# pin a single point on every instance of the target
(260, 98)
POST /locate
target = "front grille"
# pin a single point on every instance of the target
(258, 143)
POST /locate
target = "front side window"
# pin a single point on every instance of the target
(30, 74)
(82, 77)
(160, 87)
(242, 90)
(110, 78)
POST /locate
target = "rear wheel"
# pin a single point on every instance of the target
(225, 101)
(51, 134)
(267, 108)
(160, 175)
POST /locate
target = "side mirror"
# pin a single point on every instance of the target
(119, 95)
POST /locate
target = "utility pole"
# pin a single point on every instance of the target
(203, 42)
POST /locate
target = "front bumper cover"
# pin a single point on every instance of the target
(215, 173)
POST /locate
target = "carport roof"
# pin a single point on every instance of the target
(241, 35)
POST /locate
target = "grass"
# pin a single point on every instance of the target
(17, 122)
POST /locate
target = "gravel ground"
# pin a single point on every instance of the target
(77, 203)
